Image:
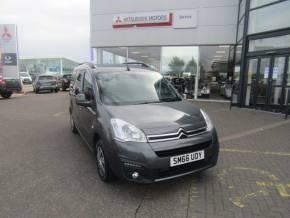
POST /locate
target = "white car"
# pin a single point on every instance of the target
(25, 78)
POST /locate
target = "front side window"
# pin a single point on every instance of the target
(125, 88)
(88, 84)
(78, 81)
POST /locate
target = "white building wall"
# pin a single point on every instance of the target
(216, 23)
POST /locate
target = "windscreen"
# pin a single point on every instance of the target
(123, 88)
(46, 78)
(67, 76)
(24, 74)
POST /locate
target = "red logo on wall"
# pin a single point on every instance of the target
(6, 36)
(118, 20)
(127, 22)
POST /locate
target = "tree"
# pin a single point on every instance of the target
(176, 65)
(191, 67)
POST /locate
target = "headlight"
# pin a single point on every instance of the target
(127, 132)
(207, 120)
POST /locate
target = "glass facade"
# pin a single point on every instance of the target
(259, 3)
(288, 74)
(271, 43)
(269, 18)
(241, 27)
(242, 8)
(251, 73)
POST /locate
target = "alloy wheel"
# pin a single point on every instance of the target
(101, 161)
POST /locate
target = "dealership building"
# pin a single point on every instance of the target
(49, 65)
(237, 48)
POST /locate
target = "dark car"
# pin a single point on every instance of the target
(45, 83)
(9, 85)
(138, 126)
(65, 81)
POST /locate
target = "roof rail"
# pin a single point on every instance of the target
(91, 65)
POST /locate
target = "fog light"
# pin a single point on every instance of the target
(135, 175)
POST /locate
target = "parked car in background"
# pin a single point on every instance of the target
(65, 81)
(139, 126)
(8, 86)
(25, 78)
(45, 83)
(9, 82)
(179, 84)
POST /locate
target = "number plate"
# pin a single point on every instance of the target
(186, 158)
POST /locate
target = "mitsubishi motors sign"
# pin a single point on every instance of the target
(8, 51)
(143, 20)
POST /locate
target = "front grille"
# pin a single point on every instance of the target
(183, 150)
(180, 134)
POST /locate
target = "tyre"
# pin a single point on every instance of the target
(72, 125)
(103, 166)
(6, 94)
(63, 89)
(36, 91)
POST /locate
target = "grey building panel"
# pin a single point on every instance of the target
(216, 23)
(126, 6)
(218, 16)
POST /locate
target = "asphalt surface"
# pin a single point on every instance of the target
(46, 171)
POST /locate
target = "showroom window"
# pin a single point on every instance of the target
(180, 66)
(242, 8)
(216, 72)
(116, 55)
(277, 42)
(241, 26)
(259, 3)
(288, 73)
(268, 18)
(148, 55)
(197, 71)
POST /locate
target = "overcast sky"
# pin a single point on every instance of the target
(49, 27)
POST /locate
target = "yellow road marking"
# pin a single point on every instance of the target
(224, 172)
(286, 154)
(238, 201)
(275, 183)
(281, 188)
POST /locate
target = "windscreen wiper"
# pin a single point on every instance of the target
(170, 99)
(149, 102)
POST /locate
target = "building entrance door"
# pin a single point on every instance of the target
(267, 82)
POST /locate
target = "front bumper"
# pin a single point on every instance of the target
(153, 165)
